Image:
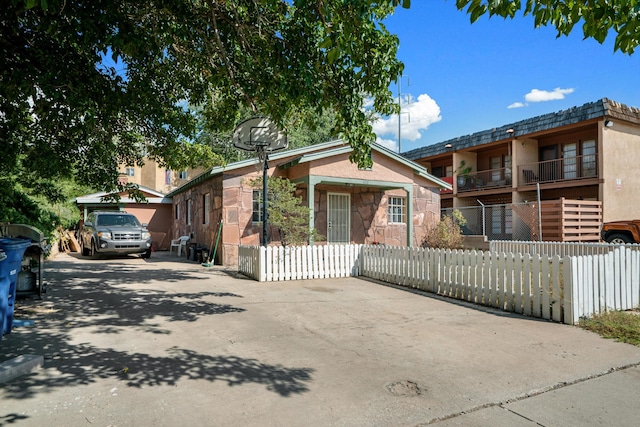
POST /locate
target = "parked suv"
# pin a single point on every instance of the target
(114, 233)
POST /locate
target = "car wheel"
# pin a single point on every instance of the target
(83, 248)
(94, 251)
(146, 254)
(619, 239)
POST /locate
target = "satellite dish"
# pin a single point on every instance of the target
(259, 134)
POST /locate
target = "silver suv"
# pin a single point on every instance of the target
(114, 233)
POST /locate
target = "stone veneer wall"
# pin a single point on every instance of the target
(369, 219)
(232, 200)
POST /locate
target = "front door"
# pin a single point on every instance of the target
(338, 218)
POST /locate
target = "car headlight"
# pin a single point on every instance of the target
(104, 234)
(145, 235)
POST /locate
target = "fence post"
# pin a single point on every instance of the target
(570, 272)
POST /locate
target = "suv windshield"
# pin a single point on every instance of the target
(122, 220)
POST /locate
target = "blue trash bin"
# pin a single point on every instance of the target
(9, 268)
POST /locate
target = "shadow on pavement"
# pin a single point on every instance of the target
(111, 298)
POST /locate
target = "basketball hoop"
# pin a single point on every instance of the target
(259, 134)
(262, 136)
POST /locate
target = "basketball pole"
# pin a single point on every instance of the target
(265, 169)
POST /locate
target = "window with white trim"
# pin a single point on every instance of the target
(257, 206)
(397, 209)
(189, 210)
(182, 175)
(130, 172)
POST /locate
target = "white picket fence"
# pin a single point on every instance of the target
(276, 263)
(554, 288)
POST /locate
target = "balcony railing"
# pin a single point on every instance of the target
(566, 169)
(484, 180)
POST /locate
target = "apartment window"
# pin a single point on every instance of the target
(589, 158)
(397, 210)
(206, 203)
(182, 175)
(257, 206)
(569, 163)
(189, 210)
(448, 171)
(495, 164)
(167, 177)
(437, 172)
(130, 172)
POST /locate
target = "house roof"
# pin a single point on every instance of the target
(306, 154)
(603, 108)
(156, 197)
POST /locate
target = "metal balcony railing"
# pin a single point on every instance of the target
(482, 180)
(566, 169)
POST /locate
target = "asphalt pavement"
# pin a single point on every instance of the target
(166, 341)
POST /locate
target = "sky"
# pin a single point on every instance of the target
(461, 78)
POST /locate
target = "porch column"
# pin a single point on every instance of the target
(409, 189)
(311, 187)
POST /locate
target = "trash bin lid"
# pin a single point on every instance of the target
(14, 244)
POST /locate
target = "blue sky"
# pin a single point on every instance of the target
(464, 78)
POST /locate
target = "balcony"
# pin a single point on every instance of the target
(485, 180)
(558, 170)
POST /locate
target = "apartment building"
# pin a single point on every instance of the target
(152, 176)
(559, 175)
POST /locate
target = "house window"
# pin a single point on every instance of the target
(167, 176)
(206, 203)
(257, 206)
(130, 172)
(397, 211)
(182, 175)
(189, 207)
(589, 158)
(177, 211)
(448, 171)
(569, 163)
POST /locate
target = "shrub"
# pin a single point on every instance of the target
(447, 233)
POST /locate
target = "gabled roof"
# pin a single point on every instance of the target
(157, 197)
(603, 108)
(305, 154)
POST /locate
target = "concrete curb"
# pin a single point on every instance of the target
(20, 365)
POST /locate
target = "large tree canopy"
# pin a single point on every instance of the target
(89, 84)
(597, 17)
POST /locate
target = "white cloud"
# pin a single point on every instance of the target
(517, 105)
(391, 144)
(416, 117)
(537, 95)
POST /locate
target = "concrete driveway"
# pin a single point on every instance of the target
(132, 342)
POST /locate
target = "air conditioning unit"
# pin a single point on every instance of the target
(465, 183)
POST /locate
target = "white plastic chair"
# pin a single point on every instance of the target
(179, 243)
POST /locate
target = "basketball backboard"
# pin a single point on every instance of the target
(259, 134)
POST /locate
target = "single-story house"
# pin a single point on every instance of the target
(156, 212)
(347, 204)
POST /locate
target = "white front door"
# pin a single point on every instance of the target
(338, 218)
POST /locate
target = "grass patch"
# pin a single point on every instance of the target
(623, 326)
